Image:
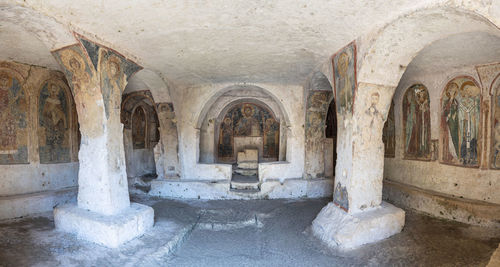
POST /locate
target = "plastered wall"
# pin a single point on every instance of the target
(479, 183)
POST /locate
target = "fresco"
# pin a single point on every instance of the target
(389, 134)
(111, 81)
(496, 129)
(344, 72)
(460, 113)
(248, 120)
(316, 111)
(271, 137)
(226, 139)
(416, 123)
(13, 121)
(139, 128)
(340, 197)
(54, 126)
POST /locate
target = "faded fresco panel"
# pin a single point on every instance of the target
(389, 134)
(139, 128)
(344, 72)
(54, 125)
(460, 118)
(417, 123)
(248, 120)
(341, 197)
(271, 138)
(495, 163)
(13, 121)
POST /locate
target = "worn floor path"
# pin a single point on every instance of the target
(245, 233)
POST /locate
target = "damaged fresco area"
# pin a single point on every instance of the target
(317, 107)
(417, 123)
(495, 163)
(341, 197)
(460, 120)
(344, 72)
(248, 120)
(389, 134)
(54, 124)
(13, 121)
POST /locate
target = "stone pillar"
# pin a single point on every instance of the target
(166, 151)
(357, 214)
(104, 214)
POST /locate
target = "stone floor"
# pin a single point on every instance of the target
(245, 233)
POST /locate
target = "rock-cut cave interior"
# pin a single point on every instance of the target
(249, 133)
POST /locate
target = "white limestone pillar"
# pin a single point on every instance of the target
(104, 214)
(357, 214)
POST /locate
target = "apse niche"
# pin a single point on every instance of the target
(243, 117)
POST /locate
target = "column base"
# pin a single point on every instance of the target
(107, 230)
(339, 229)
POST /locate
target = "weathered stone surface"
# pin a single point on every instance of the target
(107, 230)
(273, 189)
(442, 205)
(338, 228)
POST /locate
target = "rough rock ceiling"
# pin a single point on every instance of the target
(456, 51)
(192, 42)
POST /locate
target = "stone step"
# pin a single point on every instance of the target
(245, 185)
(245, 191)
(248, 165)
(246, 172)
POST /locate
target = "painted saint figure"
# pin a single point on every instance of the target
(468, 117)
(54, 120)
(139, 128)
(496, 128)
(389, 133)
(460, 122)
(345, 78)
(271, 138)
(416, 123)
(8, 127)
(226, 138)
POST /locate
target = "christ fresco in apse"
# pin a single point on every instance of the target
(248, 120)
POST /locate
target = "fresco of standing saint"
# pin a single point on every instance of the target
(13, 121)
(389, 134)
(495, 163)
(54, 125)
(460, 118)
(139, 128)
(344, 72)
(416, 123)
(271, 138)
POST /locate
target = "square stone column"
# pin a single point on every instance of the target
(357, 214)
(98, 76)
